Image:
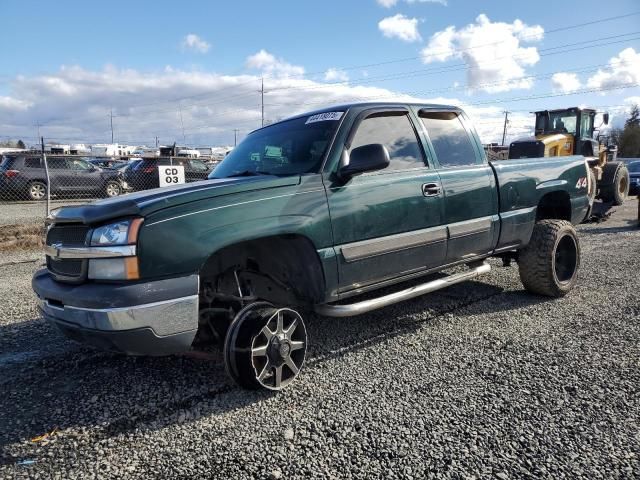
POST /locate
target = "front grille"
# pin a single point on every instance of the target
(67, 234)
(70, 270)
(65, 268)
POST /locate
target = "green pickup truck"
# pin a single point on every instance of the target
(305, 215)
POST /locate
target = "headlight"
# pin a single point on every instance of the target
(119, 233)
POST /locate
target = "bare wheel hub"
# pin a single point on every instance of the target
(279, 348)
(265, 346)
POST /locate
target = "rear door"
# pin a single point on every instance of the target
(385, 224)
(61, 175)
(468, 183)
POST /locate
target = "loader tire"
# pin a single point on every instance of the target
(549, 263)
(614, 186)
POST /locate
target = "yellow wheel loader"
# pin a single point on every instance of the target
(571, 131)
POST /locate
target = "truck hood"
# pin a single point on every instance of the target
(148, 201)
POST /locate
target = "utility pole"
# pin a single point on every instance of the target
(504, 130)
(111, 121)
(184, 140)
(262, 97)
(156, 141)
(38, 127)
(235, 136)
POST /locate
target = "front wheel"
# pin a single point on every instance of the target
(265, 346)
(549, 263)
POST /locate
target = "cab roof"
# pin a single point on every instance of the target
(347, 106)
(577, 109)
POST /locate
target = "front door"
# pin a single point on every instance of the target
(387, 223)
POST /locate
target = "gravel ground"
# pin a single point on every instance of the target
(480, 380)
(14, 213)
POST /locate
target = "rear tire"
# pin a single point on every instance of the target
(112, 189)
(37, 191)
(549, 263)
(615, 183)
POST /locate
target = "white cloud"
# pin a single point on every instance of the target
(194, 43)
(399, 26)
(268, 63)
(492, 52)
(13, 104)
(622, 70)
(72, 104)
(565, 82)
(336, 75)
(392, 3)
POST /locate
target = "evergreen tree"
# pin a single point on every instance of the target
(634, 118)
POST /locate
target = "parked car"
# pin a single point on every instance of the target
(144, 174)
(634, 177)
(307, 214)
(23, 176)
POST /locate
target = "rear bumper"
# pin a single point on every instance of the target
(146, 318)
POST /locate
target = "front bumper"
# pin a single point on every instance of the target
(143, 318)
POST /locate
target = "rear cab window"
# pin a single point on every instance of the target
(451, 141)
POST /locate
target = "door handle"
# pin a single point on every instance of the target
(431, 189)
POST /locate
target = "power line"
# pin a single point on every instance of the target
(449, 68)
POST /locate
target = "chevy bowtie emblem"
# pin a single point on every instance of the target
(56, 247)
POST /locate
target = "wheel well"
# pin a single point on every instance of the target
(554, 205)
(282, 269)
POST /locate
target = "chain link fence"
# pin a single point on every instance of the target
(31, 183)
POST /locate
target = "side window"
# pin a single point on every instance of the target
(397, 134)
(77, 164)
(56, 163)
(449, 138)
(33, 162)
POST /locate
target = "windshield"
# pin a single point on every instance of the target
(634, 167)
(562, 122)
(293, 147)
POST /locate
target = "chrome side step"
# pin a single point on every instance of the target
(332, 310)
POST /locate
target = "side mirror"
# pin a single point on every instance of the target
(366, 158)
(605, 118)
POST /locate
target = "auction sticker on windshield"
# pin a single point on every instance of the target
(323, 117)
(171, 175)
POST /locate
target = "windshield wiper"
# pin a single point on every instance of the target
(248, 173)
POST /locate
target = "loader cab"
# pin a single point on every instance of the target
(576, 123)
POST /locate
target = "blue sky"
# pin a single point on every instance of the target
(99, 44)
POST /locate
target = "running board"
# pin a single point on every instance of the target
(333, 310)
